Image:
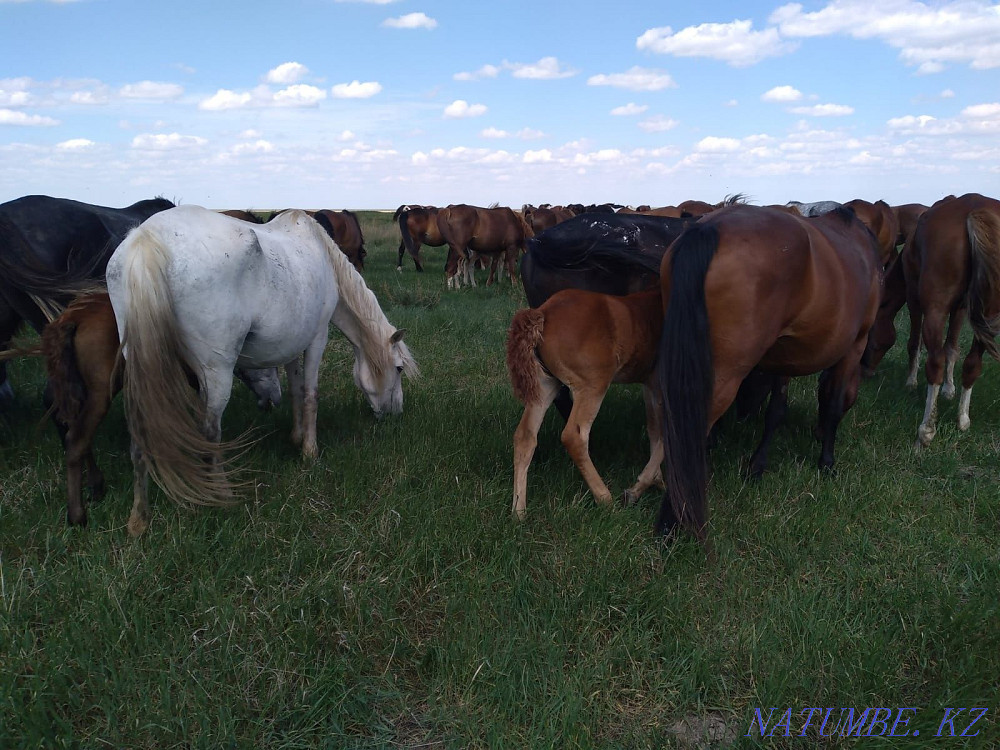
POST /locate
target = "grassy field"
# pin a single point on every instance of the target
(382, 596)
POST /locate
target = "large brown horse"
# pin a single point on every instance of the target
(417, 225)
(494, 232)
(953, 269)
(750, 287)
(586, 341)
(345, 230)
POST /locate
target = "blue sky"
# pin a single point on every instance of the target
(369, 104)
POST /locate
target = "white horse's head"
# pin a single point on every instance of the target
(385, 390)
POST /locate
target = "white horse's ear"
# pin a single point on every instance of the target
(397, 336)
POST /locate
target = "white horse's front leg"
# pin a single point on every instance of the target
(310, 393)
(293, 371)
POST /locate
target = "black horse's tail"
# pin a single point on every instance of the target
(685, 374)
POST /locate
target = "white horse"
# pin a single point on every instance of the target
(197, 293)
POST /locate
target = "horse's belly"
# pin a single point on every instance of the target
(793, 356)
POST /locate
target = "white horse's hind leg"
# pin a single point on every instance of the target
(964, 421)
(293, 371)
(217, 389)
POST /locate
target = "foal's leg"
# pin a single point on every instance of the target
(526, 438)
(79, 448)
(951, 352)
(576, 438)
(777, 408)
(971, 369)
(651, 473)
(138, 521)
(293, 371)
(933, 331)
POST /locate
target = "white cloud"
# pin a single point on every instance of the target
(928, 36)
(12, 117)
(346, 135)
(151, 90)
(75, 144)
(627, 110)
(299, 95)
(487, 71)
(537, 157)
(225, 99)
(90, 98)
(947, 94)
(492, 132)
(167, 142)
(288, 72)
(529, 134)
(716, 145)
(824, 110)
(259, 146)
(781, 94)
(356, 90)
(461, 108)
(411, 21)
(635, 79)
(525, 134)
(657, 124)
(735, 43)
(548, 68)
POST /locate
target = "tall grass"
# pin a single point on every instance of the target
(382, 596)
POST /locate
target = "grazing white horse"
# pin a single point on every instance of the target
(197, 293)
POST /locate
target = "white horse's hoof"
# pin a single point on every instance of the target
(925, 435)
(948, 391)
(911, 383)
(964, 422)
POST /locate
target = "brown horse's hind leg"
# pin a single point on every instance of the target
(650, 474)
(951, 352)
(79, 448)
(777, 407)
(525, 440)
(913, 344)
(971, 369)
(576, 439)
(932, 331)
(838, 390)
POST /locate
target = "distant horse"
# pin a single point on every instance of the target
(700, 208)
(80, 348)
(417, 225)
(907, 215)
(881, 220)
(673, 212)
(953, 269)
(817, 208)
(542, 218)
(586, 341)
(196, 293)
(49, 249)
(750, 287)
(345, 230)
(244, 216)
(494, 232)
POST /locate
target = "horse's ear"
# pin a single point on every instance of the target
(397, 336)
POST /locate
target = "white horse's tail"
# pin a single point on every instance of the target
(164, 411)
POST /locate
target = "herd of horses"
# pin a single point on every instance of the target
(706, 305)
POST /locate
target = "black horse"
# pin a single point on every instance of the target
(49, 249)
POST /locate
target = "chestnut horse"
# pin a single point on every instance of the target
(417, 224)
(496, 232)
(881, 219)
(545, 217)
(750, 287)
(242, 215)
(586, 341)
(953, 269)
(345, 230)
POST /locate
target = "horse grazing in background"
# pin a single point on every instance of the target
(80, 348)
(494, 232)
(345, 230)
(417, 225)
(953, 269)
(243, 216)
(50, 249)
(195, 294)
(586, 341)
(750, 287)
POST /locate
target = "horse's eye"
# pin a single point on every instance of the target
(399, 369)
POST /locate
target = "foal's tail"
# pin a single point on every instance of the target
(685, 374)
(522, 339)
(165, 414)
(983, 226)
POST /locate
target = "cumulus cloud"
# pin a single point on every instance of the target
(492, 132)
(824, 110)
(658, 124)
(487, 71)
(736, 43)
(781, 94)
(635, 79)
(411, 21)
(167, 142)
(356, 90)
(151, 90)
(927, 36)
(259, 146)
(716, 145)
(537, 157)
(75, 144)
(14, 117)
(525, 134)
(288, 72)
(546, 69)
(225, 99)
(90, 98)
(461, 108)
(627, 110)
(297, 95)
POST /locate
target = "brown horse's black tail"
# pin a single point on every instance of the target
(685, 374)
(402, 215)
(983, 226)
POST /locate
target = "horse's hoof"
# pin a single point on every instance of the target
(925, 435)
(629, 498)
(964, 423)
(948, 391)
(310, 452)
(137, 526)
(76, 520)
(911, 383)
(755, 473)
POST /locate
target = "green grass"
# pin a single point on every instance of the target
(383, 597)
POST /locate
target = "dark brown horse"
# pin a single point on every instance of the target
(468, 230)
(953, 269)
(907, 215)
(250, 216)
(417, 225)
(881, 219)
(546, 217)
(586, 341)
(750, 287)
(345, 230)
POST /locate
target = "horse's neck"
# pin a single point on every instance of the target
(347, 321)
